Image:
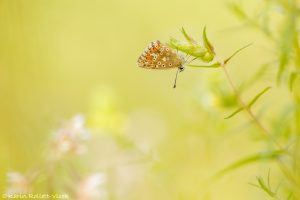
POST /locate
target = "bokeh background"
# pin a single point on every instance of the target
(66, 58)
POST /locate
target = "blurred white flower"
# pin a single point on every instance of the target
(92, 187)
(69, 138)
(17, 183)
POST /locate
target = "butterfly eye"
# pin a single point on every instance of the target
(170, 64)
(163, 65)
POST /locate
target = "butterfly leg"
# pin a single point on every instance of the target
(181, 68)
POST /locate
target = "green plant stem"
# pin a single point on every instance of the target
(244, 105)
(266, 133)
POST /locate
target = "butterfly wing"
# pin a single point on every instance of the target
(159, 56)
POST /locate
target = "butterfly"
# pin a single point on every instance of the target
(161, 56)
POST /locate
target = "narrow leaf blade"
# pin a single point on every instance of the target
(206, 42)
(293, 77)
(236, 52)
(263, 186)
(238, 11)
(258, 96)
(187, 37)
(250, 104)
(270, 155)
(234, 113)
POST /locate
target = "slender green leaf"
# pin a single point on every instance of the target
(250, 104)
(257, 96)
(214, 65)
(270, 155)
(187, 37)
(288, 35)
(293, 77)
(234, 113)
(206, 42)
(238, 11)
(264, 187)
(236, 52)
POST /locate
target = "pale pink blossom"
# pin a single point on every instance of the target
(69, 138)
(92, 187)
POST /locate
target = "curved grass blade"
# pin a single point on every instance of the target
(258, 95)
(288, 36)
(206, 42)
(238, 11)
(293, 77)
(264, 187)
(270, 155)
(236, 52)
(234, 113)
(250, 104)
(187, 37)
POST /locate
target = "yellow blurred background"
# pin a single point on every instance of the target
(59, 58)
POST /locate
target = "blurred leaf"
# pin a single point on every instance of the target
(206, 42)
(266, 22)
(234, 113)
(286, 43)
(250, 104)
(236, 52)
(290, 196)
(264, 187)
(293, 77)
(214, 65)
(238, 11)
(270, 155)
(255, 77)
(187, 37)
(281, 126)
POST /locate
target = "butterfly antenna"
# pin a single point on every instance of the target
(187, 57)
(187, 60)
(176, 78)
(192, 60)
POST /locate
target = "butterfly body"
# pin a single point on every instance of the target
(160, 56)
